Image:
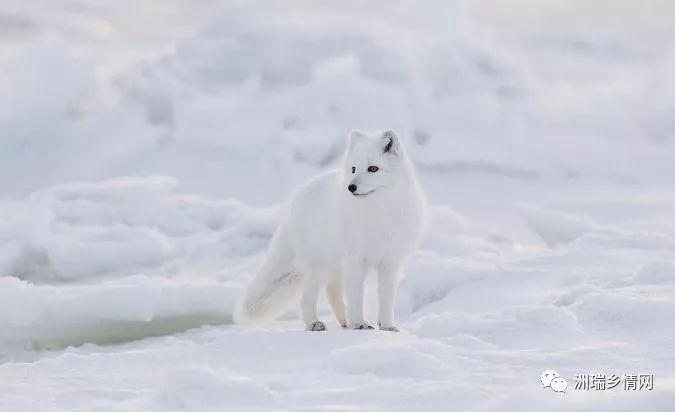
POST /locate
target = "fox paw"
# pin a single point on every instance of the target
(390, 328)
(317, 326)
(360, 326)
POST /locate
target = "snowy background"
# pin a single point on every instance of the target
(146, 148)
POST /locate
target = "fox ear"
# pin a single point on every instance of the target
(355, 136)
(391, 144)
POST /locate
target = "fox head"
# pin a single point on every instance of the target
(375, 161)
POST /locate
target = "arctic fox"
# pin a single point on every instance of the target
(338, 227)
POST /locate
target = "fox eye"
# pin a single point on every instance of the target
(373, 169)
(353, 170)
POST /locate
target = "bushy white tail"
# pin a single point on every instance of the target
(273, 287)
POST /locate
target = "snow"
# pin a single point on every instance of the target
(146, 152)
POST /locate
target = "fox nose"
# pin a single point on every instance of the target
(351, 188)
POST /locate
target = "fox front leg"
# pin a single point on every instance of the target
(387, 284)
(354, 273)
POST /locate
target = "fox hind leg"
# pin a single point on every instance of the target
(308, 306)
(335, 301)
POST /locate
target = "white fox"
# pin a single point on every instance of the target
(339, 226)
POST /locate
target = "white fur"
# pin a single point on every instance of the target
(330, 238)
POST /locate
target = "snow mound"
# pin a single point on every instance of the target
(555, 227)
(385, 359)
(122, 259)
(656, 273)
(200, 388)
(517, 328)
(122, 227)
(627, 313)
